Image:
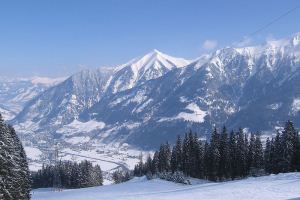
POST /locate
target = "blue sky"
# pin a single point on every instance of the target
(60, 37)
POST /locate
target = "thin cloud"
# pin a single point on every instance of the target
(270, 37)
(209, 44)
(82, 66)
(246, 41)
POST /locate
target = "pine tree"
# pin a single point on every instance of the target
(199, 156)
(155, 163)
(120, 176)
(289, 142)
(164, 157)
(168, 157)
(194, 150)
(223, 171)
(296, 158)
(246, 136)
(241, 154)
(281, 153)
(251, 152)
(96, 176)
(161, 158)
(278, 164)
(232, 155)
(139, 166)
(174, 162)
(214, 154)
(176, 158)
(258, 153)
(117, 177)
(206, 161)
(73, 175)
(148, 166)
(226, 156)
(267, 156)
(186, 155)
(14, 174)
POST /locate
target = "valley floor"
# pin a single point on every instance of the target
(282, 186)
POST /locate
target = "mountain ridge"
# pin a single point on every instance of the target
(155, 97)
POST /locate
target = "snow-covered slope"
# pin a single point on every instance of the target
(63, 103)
(16, 92)
(6, 113)
(137, 71)
(281, 186)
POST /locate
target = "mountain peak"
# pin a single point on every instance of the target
(155, 51)
(150, 66)
(154, 56)
(157, 55)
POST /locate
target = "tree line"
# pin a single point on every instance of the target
(120, 176)
(67, 174)
(14, 173)
(226, 155)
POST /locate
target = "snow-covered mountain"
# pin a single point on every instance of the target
(156, 97)
(60, 105)
(139, 70)
(15, 93)
(254, 87)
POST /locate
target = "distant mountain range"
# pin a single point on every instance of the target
(14, 93)
(154, 98)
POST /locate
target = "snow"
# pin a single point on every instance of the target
(32, 152)
(105, 162)
(274, 106)
(183, 99)
(195, 115)
(26, 126)
(34, 166)
(7, 114)
(131, 125)
(139, 98)
(282, 186)
(201, 61)
(149, 59)
(117, 101)
(109, 156)
(229, 110)
(143, 106)
(150, 66)
(73, 99)
(295, 106)
(296, 40)
(79, 127)
(46, 80)
(76, 140)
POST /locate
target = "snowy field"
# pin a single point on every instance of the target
(282, 186)
(109, 157)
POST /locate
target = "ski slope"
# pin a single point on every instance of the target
(282, 186)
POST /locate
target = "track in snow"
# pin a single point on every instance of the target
(282, 186)
(121, 165)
